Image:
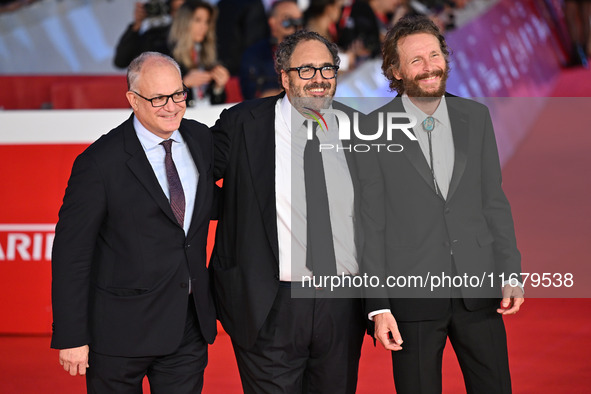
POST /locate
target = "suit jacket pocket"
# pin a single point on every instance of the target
(220, 263)
(125, 292)
(484, 239)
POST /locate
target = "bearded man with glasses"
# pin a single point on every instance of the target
(130, 291)
(287, 213)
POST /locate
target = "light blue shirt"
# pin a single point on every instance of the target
(182, 159)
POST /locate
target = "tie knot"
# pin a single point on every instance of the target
(167, 144)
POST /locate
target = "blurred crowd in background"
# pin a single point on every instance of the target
(217, 40)
(238, 37)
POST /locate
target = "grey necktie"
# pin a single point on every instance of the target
(320, 255)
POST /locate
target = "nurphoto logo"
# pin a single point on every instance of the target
(362, 130)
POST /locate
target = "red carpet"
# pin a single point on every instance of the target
(549, 340)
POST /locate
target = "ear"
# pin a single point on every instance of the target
(131, 97)
(284, 80)
(395, 72)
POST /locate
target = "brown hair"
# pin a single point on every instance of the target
(405, 27)
(181, 41)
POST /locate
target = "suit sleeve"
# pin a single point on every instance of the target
(222, 140)
(495, 206)
(80, 218)
(373, 222)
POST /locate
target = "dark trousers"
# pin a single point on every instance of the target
(307, 345)
(179, 372)
(479, 341)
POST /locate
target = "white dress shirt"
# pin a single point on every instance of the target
(291, 195)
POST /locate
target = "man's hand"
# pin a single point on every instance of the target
(139, 14)
(196, 78)
(512, 300)
(220, 76)
(74, 360)
(386, 331)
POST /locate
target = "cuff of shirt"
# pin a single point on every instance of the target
(512, 283)
(372, 314)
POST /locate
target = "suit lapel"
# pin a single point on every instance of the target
(460, 132)
(412, 150)
(259, 137)
(199, 159)
(140, 166)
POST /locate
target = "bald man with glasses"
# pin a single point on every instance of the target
(130, 292)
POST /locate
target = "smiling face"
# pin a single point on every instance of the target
(157, 78)
(309, 53)
(200, 24)
(423, 68)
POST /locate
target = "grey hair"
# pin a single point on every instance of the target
(135, 67)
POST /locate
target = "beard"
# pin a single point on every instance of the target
(301, 99)
(413, 89)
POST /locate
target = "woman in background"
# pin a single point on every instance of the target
(322, 17)
(193, 45)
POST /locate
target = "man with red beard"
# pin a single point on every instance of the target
(287, 212)
(436, 212)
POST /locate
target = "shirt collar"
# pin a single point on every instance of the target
(293, 117)
(150, 140)
(440, 113)
(288, 112)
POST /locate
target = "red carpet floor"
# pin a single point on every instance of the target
(549, 187)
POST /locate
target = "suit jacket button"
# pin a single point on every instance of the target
(184, 285)
(447, 210)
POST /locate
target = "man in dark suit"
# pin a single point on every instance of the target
(285, 344)
(130, 289)
(437, 208)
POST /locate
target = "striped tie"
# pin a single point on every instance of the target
(177, 196)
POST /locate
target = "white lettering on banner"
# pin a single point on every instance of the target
(26, 242)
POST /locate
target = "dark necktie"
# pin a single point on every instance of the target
(320, 256)
(175, 188)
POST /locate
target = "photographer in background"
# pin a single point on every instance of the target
(148, 31)
(258, 77)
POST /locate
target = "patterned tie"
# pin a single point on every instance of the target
(175, 188)
(320, 256)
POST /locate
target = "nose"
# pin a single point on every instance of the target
(170, 105)
(317, 77)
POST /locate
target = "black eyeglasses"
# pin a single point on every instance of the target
(308, 72)
(161, 101)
